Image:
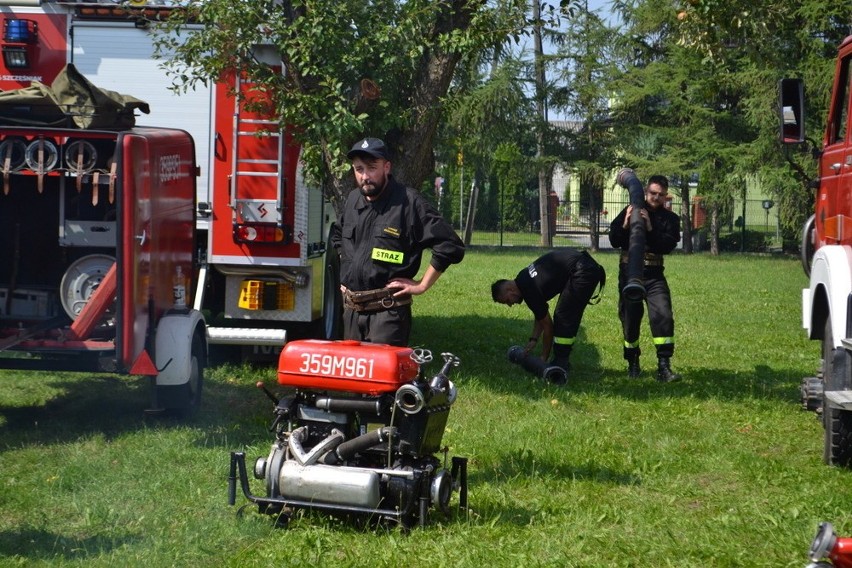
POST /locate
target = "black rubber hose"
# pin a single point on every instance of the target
(536, 366)
(366, 405)
(634, 289)
(349, 448)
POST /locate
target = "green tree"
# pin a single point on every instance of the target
(490, 108)
(745, 47)
(342, 69)
(688, 105)
(581, 87)
(512, 171)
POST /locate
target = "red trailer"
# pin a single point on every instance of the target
(97, 233)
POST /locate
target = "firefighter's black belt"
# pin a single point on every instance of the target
(651, 259)
(378, 300)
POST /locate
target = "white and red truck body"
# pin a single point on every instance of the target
(262, 268)
(827, 255)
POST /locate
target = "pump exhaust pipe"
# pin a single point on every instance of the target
(634, 289)
(536, 366)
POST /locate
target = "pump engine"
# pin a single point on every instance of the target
(360, 432)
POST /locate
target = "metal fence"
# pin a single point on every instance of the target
(745, 225)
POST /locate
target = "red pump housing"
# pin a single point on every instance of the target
(351, 366)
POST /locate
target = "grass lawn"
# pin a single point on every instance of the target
(721, 469)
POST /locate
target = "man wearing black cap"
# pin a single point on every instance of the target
(381, 233)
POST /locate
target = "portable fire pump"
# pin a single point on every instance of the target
(827, 256)
(358, 434)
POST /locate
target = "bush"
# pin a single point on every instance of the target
(755, 241)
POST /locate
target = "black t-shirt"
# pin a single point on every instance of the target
(546, 277)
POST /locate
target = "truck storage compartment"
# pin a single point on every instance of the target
(58, 228)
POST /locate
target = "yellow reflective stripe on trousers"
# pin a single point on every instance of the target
(663, 340)
(631, 344)
(564, 340)
(392, 256)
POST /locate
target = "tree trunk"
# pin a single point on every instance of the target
(686, 216)
(544, 180)
(411, 147)
(714, 230)
(594, 219)
(471, 212)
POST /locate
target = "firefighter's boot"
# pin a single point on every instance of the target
(561, 354)
(664, 371)
(631, 354)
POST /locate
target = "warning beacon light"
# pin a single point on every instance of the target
(18, 36)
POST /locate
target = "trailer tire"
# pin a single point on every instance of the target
(185, 399)
(837, 439)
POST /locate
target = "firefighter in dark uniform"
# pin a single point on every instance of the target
(381, 234)
(571, 274)
(662, 233)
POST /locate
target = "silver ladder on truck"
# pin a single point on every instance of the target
(246, 167)
(249, 169)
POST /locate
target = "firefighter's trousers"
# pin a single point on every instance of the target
(659, 300)
(392, 326)
(574, 298)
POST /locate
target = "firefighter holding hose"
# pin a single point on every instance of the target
(645, 232)
(571, 274)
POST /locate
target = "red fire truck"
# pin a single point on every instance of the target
(263, 275)
(827, 256)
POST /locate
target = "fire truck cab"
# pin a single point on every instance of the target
(262, 274)
(827, 256)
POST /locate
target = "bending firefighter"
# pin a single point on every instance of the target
(572, 275)
(662, 233)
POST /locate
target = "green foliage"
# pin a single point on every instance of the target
(700, 89)
(737, 241)
(511, 171)
(339, 69)
(670, 87)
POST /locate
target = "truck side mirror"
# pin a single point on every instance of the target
(792, 111)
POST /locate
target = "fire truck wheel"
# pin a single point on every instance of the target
(808, 247)
(330, 325)
(837, 446)
(185, 399)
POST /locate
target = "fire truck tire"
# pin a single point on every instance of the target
(185, 399)
(837, 446)
(330, 326)
(808, 249)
